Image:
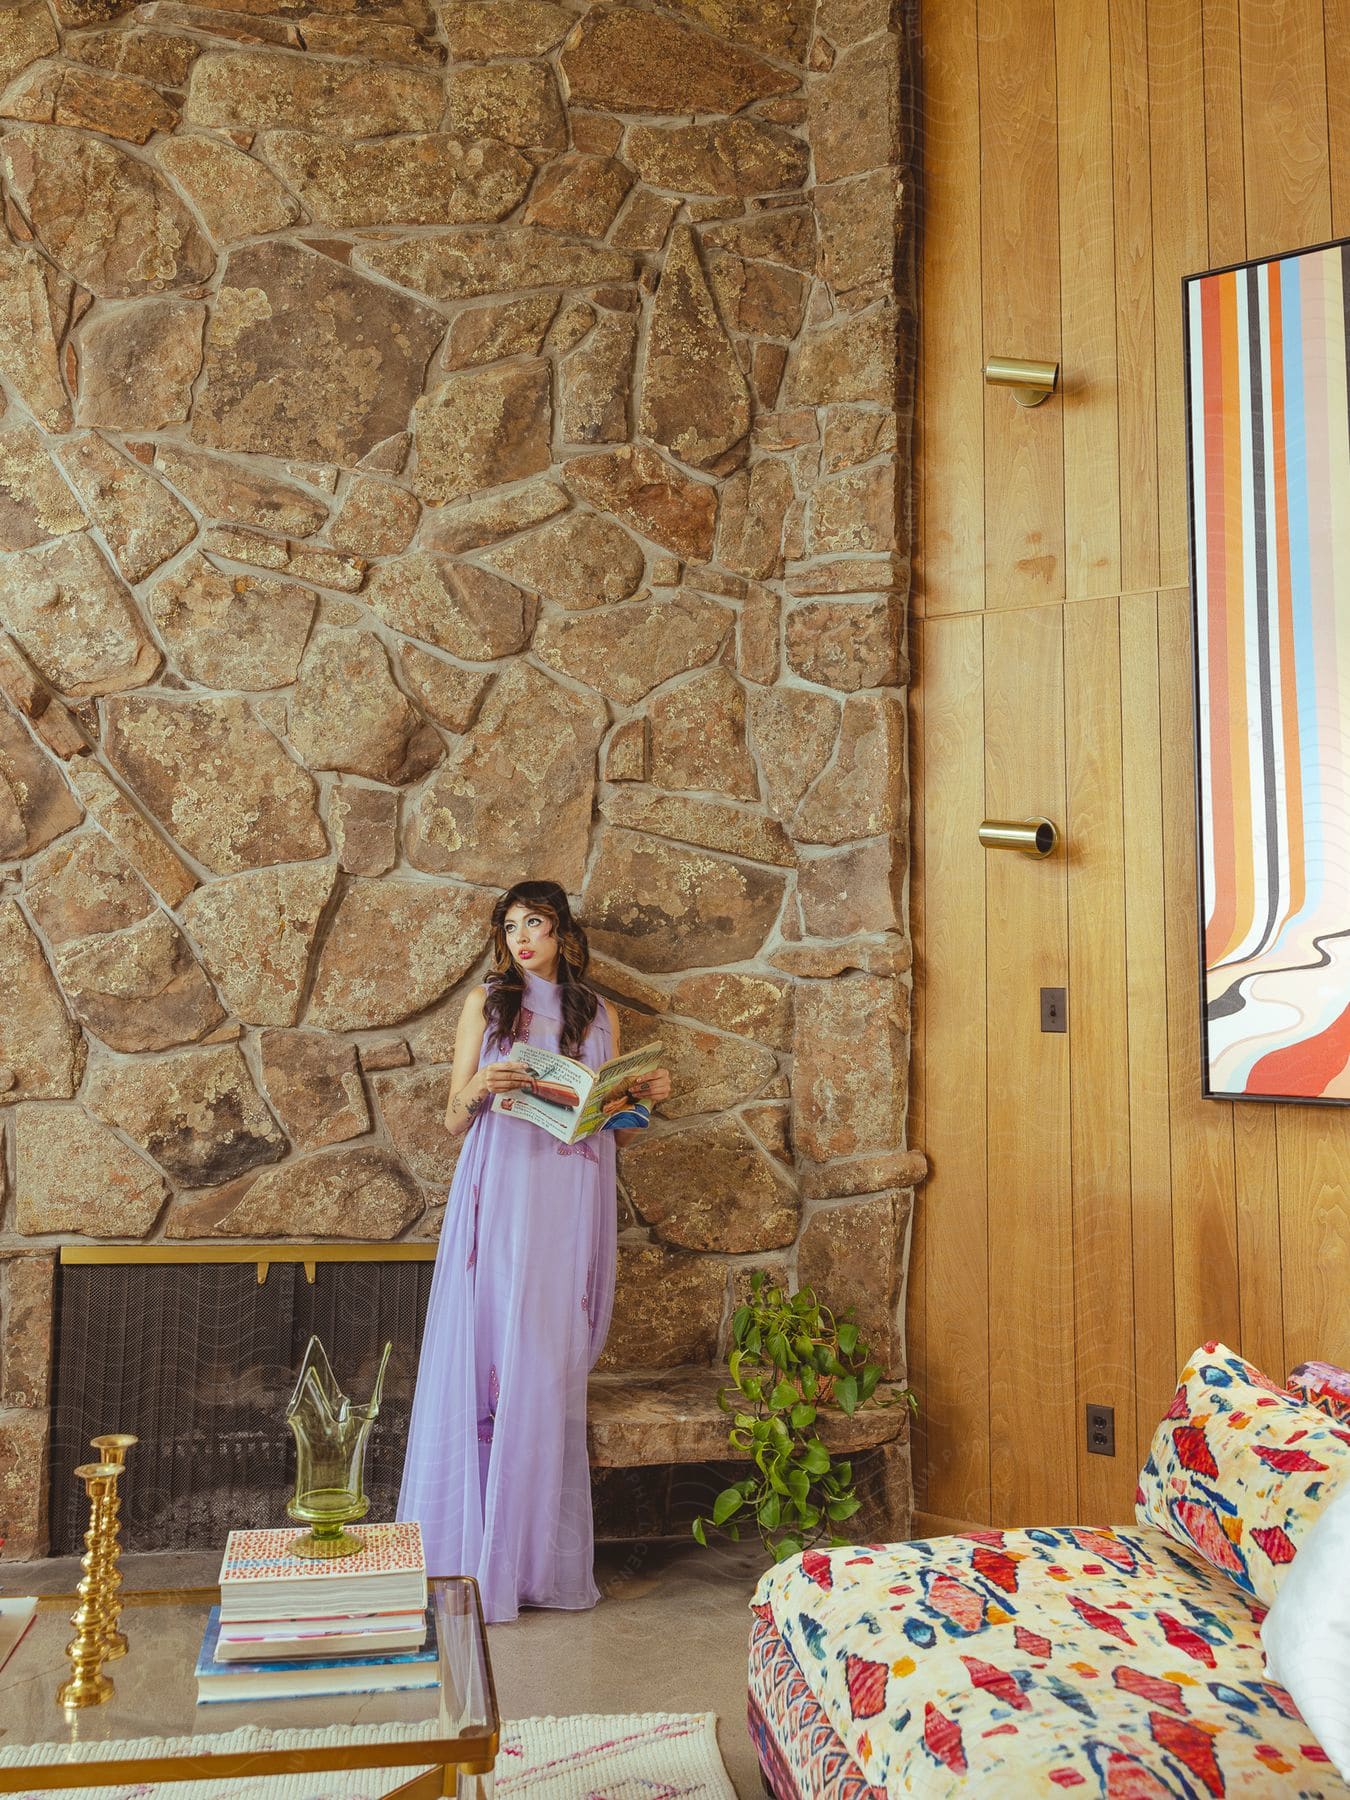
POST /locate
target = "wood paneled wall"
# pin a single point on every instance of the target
(1089, 1217)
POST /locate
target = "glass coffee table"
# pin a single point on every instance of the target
(430, 1742)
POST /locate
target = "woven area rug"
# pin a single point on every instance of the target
(590, 1756)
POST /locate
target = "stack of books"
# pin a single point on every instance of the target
(291, 1626)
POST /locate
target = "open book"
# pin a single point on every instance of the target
(568, 1100)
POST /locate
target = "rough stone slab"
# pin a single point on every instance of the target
(695, 400)
(236, 196)
(456, 606)
(754, 1006)
(142, 522)
(851, 1053)
(854, 360)
(735, 157)
(515, 793)
(428, 180)
(35, 803)
(857, 120)
(490, 28)
(481, 429)
(83, 886)
(477, 522)
(382, 40)
(314, 1084)
(395, 947)
(698, 737)
(23, 1481)
(581, 194)
(307, 562)
(712, 824)
(781, 27)
(305, 359)
(26, 1309)
(710, 1071)
(638, 1421)
(755, 505)
(625, 651)
(133, 834)
(376, 518)
(231, 631)
(259, 90)
(103, 216)
(74, 619)
(484, 334)
(667, 1309)
(218, 781)
(758, 298)
(140, 989)
(163, 57)
(659, 907)
(32, 318)
(40, 1045)
(646, 220)
(35, 503)
(794, 731)
(451, 695)
(595, 381)
(846, 644)
(361, 1192)
(852, 1255)
(626, 752)
(412, 1104)
(364, 824)
(818, 962)
(91, 100)
(854, 891)
(855, 434)
(514, 102)
(641, 62)
(28, 34)
(348, 713)
(197, 1113)
(864, 1174)
(864, 793)
(655, 498)
(255, 933)
(709, 1188)
(137, 367)
(462, 264)
(857, 511)
(578, 562)
(237, 494)
(849, 575)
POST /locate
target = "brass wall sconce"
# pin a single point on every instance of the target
(1033, 837)
(1031, 382)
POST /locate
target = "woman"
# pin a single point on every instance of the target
(497, 1470)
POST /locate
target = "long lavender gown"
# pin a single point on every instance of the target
(496, 1470)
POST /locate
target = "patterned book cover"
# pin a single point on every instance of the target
(295, 1678)
(266, 1556)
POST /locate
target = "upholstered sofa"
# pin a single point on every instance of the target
(1123, 1662)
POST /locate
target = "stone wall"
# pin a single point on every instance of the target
(446, 443)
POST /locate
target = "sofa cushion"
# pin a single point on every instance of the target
(1325, 1386)
(1239, 1469)
(1025, 1662)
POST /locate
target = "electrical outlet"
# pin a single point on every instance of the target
(1101, 1430)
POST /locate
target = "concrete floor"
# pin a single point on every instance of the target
(669, 1635)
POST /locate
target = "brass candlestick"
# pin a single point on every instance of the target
(86, 1684)
(112, 1447)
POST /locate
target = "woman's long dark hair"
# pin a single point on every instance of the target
(506, 983)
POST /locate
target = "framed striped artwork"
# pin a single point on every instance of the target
(1268, 454)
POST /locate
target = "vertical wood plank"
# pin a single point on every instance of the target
(1019, 234)
(1336, 46)
(953, 976)
(1180, 246)
(916, 1292)
(1099, 1062)
(1224, 174)
(1146, 986)
(1136, 396)
(1314, 1150)
(951, 570)
(1204, 1223)
(1088, 286)
(1032, 1461)
(1284, 115)
(1260, 1277)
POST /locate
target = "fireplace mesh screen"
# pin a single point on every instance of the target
(199, 1361)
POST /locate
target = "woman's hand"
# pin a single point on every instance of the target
(503, 1077)
(650, 1090)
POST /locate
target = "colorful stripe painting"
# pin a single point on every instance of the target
(1268, 351)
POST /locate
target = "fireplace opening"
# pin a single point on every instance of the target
(199, 1360)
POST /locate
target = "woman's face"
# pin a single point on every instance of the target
(532, 941)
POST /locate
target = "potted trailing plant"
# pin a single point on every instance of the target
(790, 1357)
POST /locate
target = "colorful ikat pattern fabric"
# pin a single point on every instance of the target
(1008, 1663)
(1239, 1469)
(1324, 1386)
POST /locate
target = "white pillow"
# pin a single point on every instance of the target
(1306, 1634)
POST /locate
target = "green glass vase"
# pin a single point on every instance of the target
(331, 1435)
